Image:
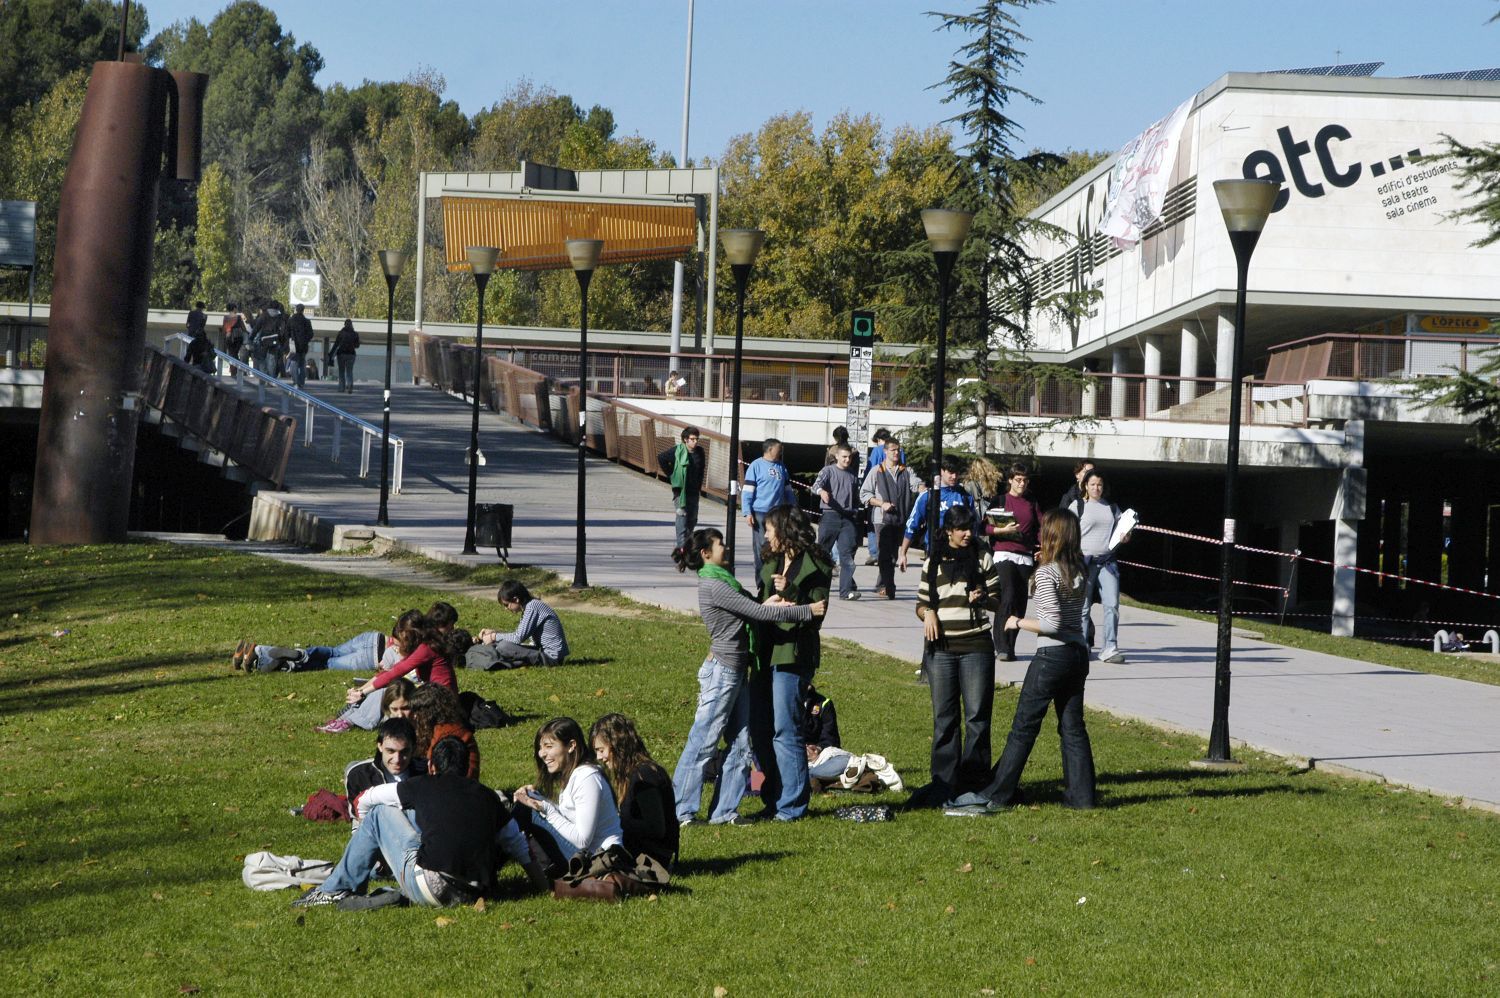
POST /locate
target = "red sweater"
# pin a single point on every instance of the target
(429, 666)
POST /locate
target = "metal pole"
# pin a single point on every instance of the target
(677, 269)
(1218, 738)
(580, 547)
(383, 517)
(480, 280)
(731, 516)
(939, 398)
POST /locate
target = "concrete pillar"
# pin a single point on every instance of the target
(1152, 370)
(1345, 552)
(1090, 402)
(1289, 540)
(1224, 350)
(1187, 364)
(1119, 388)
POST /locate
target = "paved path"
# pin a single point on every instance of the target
(1426, 732)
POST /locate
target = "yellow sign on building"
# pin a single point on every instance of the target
(1467, 325)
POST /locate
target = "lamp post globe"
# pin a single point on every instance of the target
(584, 255)
(741, 247)
(1245, 205)
(482, 264)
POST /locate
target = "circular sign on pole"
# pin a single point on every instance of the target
(305, 289)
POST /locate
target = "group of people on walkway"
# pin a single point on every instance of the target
(273, 342)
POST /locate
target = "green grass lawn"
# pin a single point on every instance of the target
(138, 769)
(1474, 667)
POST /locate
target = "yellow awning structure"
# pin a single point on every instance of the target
(530, 232)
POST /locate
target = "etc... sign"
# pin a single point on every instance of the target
(1399, 195)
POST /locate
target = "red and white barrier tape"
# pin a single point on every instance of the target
(1299, 556)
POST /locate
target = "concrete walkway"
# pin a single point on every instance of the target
(1426, 732)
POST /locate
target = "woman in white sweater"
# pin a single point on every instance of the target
(583, 817)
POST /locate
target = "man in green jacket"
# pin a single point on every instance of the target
(683, 466)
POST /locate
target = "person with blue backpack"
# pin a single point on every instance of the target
(950, 494)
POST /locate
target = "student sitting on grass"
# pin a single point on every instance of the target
(832, 767)
(643, 790)
(426, 651)
(436, 714)
(444, 855)
(537, 640)
(394, 741)
(582, 818)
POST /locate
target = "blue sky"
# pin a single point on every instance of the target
(1104, 69)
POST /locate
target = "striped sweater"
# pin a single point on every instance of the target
(963, 626)
(1057, 607)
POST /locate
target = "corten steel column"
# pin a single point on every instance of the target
(583, 254)
(741, 246)
(1245, 204)
(106, 226)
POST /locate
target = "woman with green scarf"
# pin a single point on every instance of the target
(793, 567)
(723, 709)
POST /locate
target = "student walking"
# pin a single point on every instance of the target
(890, 490)
(838, 529)
(1013, 536)
(1097, 517)
(767, 487)
(345, 346)
(683, 465)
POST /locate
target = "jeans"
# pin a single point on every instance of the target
(346, 372)
(837, 532)
(776, 697)
(1105, 577)
(723, 710)
(367, 713)
(1056, 676)
(687, 519)
(970, 677)
(386, 831)
(757, 541)
(298, 364)
(358, 654)
(1012, 604)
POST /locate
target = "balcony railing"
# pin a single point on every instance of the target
(1361, 357)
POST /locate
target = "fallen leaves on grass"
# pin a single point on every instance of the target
(720, 991)
(966, 868)
(442, 921)
(479, 905)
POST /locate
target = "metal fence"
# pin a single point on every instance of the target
(253, 436)
(1360, 357)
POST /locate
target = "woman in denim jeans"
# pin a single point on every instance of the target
(958, 588)
(1056, 676)
(723, 709)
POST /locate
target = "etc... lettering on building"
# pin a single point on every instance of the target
(1399, 195)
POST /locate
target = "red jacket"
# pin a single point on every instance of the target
(430, 666)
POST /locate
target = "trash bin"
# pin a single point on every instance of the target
(492, 523)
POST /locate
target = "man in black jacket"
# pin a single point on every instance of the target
(683, 466)
(394, 740)
(448, 857)
(301, 337)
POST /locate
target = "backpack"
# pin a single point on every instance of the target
(265, 871)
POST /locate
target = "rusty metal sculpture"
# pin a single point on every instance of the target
(136, 121)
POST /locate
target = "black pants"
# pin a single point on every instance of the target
(888, 546)
(1013, 580)
(1056, 677)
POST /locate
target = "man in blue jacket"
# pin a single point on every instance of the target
(767, 486)
(950, 495)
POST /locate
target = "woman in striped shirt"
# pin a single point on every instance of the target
(958, 588)
(1056, 675)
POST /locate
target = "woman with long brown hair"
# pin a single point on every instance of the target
(643, 790)
(1056, 676)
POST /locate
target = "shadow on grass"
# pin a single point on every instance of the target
(726, 864)
(35, 701)
(93, 670)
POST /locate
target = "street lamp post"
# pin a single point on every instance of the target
(583, 254)
(482, 262)
(391, 261)
(1245, 204)
(946, 232)
(741, 246)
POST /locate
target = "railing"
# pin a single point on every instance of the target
(1361, 357)
(250, 435)
(369, 434)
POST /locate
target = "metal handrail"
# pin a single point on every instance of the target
(369, 433)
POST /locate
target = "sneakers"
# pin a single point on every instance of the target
(317, 897)
(884, 772)
(881, 592)
(383, 898)
(1113, 656)
(244, 652)
(747, 819)
(337, 726)
(970, 805)
(852, 594)
(684, 822)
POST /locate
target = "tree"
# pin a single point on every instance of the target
(43, 41)
(34, 161)
(335, 220)
(214, 250)
(994, 297)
